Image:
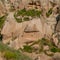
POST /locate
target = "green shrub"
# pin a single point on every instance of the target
(2, 20)
(26, 19)
(29, 13)
(55, 49)
(49, 12)
(38, 13)
(21, 12)
(19, 20)
(27, 48)
(33, 13)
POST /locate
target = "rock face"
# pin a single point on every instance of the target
(17, 34)
(44, 27)
(16, 31)
(56, 36)
(9, 26)
(50, 24)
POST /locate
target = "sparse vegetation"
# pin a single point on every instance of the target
(49, 12)
(42, 42)
(28, 48)
(11, 54)
(38, 12)
(29, 13)
(12, 8)
(2, 20)
(26, 19)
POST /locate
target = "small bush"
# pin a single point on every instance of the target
(55, 49)
(27, 48)
(19, 20)
(49, 12)
(21, 12)
(2, 20)
(26, 19)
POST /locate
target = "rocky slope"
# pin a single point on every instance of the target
(28, 21)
